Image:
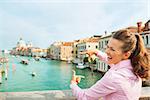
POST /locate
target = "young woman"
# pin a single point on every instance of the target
(129, 62)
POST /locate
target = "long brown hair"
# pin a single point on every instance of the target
(140, 59)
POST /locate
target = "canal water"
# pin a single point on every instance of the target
(50, 75)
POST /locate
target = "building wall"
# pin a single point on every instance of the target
(54, 52)
(75, 58)
(146, 38)
(101, 66)
(66, 53)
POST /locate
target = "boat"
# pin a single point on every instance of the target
(25, 62)
(33, 74)
(81, 66)
(4, 60)
(69, 61)
(37, 58)
(93, 67)
(4, 70)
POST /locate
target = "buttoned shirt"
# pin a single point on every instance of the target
(118, 83)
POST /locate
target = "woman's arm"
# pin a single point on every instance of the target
(102, 88)
(102, 55)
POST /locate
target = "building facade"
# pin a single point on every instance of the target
(55, 50)
(66, 51)
(101, 66)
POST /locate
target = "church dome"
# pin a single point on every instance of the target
(21, 43)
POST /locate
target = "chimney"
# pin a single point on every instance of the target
(139, 26)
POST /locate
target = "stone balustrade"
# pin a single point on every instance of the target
(54, 95)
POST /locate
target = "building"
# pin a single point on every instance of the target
(38, 52)
(146, 34)
(27, 49)
(54, 50)
(66, 51)
(101, 66)
(146, 38)
(21, 44)
(75, 59)
(20, 49)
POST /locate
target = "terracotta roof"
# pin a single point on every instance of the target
(67, 43)
(93, 40)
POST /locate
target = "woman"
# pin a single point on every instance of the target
(129, 62)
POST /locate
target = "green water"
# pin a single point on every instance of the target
(50, 75)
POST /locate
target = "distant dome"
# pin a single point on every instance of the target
(29, 44)
(21, 43)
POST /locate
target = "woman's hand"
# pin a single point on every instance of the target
(76, 78)
(90, 52)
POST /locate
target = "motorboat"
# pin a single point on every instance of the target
(80, 66)
(37, 58)
(25, 62)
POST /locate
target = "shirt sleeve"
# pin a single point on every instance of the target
(102, 56)
(102, 88)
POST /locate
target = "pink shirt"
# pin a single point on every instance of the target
(118, 83)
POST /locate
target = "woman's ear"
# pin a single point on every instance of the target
(127, 54)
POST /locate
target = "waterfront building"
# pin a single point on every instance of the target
(146, 34)
(48, 52)
(27, 49)
(101, 66)
(21, 44)
(146, 38)
(20, 48)
(66, 51)
(38, 52)
(54, 51)
(75, 59)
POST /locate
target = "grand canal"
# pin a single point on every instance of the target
(50, 75)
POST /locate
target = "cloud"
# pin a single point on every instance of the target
(44, 22)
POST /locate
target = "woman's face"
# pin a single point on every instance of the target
(114, 51)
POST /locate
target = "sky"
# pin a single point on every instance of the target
(43, 22)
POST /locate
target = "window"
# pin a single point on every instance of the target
(101, 65)
(105, 42)
(146, 39)
(143, 37)
(96, 46)
(99, 44)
